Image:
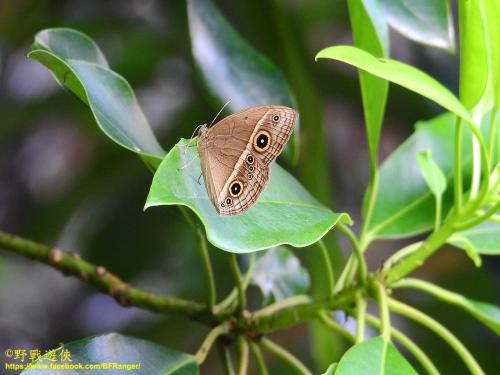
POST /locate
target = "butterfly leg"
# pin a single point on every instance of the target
(187, 164)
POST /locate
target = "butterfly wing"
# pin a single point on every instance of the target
(237, 151)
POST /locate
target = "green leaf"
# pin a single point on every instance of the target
(370, 34)
(485, 237)
(397, 72)
(373, 357)
(279, 274)
(284, 214)
(231, 69)
(404, 206)
(79, 66)
(473, 52)
(425, 21)
(122, 350)
(433, 175)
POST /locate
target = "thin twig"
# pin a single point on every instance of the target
(259, 359)
(202, 353)
(440, 330)
(235, 270)
(328, 266)
(243, 350)
(285, 355)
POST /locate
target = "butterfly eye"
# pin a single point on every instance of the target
(250, 168)
(235, 189)
(228, 201)
(276, 118)
(250, 176)
(261, 142)
(250, 159)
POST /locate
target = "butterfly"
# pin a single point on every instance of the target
(236, 154)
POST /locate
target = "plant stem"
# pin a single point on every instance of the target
(385, 318)
(225, 358)
(233, 296)
(478, 220)
(457, 180)
(285, 303)
(342, 280)
(285, 356)
(328, 266)
(400, 254)
(405, 341)
(259, 359)
(372, 195)
(243, 349)
(438, 292)
(417, 257)
(357, 251)
(476, 159)
(203, 251)
(299, 313)
(201, 354)
(235, 270)
(437, 220)
(492, 132)
(360, 318)
(440, 330)
(330, 323)
(108, 283)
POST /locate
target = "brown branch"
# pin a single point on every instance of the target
(108, 283)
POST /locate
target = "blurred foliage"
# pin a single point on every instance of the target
(63, 182)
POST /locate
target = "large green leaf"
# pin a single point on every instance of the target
(285, 213)
(485, 237)
(404, 205)
(400, 73)
(279, 274)
(115, 349)
(425, 21)
(370, 34)
(79, 66)
(473, 52)
(373, 357)
(233, 70)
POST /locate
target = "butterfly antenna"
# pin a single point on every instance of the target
(217, 115)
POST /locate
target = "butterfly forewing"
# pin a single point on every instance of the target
(237, 151)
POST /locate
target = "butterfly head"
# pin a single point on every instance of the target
(202, 130)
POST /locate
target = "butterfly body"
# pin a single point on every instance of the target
(236, 154)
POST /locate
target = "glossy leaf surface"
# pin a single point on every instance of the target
(285, 212)
(400, 73)
(79, 66)
(425, 21)
(373, 357)
(112, 348)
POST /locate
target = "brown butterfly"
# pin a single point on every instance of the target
(236, 154)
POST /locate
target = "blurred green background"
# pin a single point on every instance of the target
(63, 182)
